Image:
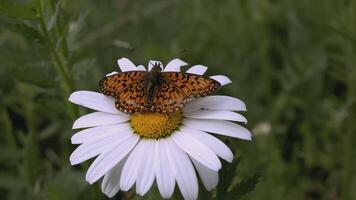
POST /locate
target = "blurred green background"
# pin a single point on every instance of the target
(292, 62)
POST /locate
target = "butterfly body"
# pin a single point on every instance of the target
(137, 91)
(154, 80)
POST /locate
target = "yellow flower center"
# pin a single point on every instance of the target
(154, 125)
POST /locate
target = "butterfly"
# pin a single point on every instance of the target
(137, 91)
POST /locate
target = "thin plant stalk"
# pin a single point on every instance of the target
(61, 67)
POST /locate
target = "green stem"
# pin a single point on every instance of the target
(62, 70)
(7, 131)
(59, 32)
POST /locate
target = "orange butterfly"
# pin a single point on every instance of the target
(136, 91)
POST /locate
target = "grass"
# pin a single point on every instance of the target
(292, 62)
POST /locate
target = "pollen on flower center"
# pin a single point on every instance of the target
(155, 125)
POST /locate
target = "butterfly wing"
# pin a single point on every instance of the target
(176, 88)
(128, 89)
(167, 98)
(114, 84)
(133, 98)
(192, 85)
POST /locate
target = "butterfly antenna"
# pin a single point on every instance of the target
(155, 64)
(152, 63)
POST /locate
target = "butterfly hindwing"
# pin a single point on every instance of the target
(192, 85)
(112, 85)
(132, 98)
(167, 98)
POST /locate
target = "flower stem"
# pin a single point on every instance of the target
(61, 68)
(59, 32)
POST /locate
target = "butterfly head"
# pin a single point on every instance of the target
(156, 67)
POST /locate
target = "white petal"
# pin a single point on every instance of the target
(99, 119)
(219, 127)
(182, 169)
(110, 158)
(141, 68)
(92, 149)
(112, 73)
(209, 178)
(174, 65)
(165, 178)
(94, 100)
(126, 65)
(217, 146)
(197, 69)
(215, 102)
(216, 114)
(111, 182)
(146, 173)
(223, 80)
(196, 149)
(92, 134)
(132, 166)
(152, 62)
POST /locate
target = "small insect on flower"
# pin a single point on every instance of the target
(136, 91)
(155, 126)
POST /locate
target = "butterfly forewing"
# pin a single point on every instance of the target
(128, 89)
(192, 85)
(112, 85)
(168, 97)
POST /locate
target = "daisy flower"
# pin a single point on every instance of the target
(149, 147)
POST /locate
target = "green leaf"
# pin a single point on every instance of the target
(52, 21)
(226, 178)
(7, 129)
(32, 164)
(245, 186)
(30, 33)
(17, 10)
